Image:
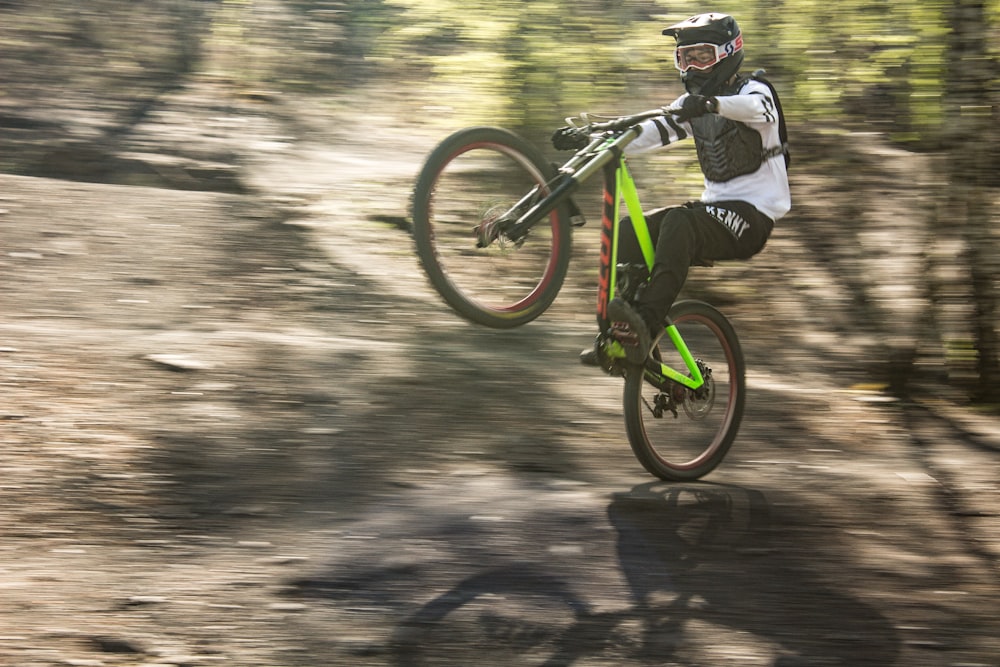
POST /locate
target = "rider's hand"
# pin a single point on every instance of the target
(696, 105)
(569, 139)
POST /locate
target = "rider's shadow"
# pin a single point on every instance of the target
(710, 553)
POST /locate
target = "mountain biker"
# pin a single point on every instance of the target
(735, 122)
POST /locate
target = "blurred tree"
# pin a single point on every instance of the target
(184, 24)
(972, 142)
(922, 72)
(517, 64)
(90, 73)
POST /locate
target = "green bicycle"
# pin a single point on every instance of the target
(492, 223)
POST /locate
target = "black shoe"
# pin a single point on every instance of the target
(588, 357)
(620, 311)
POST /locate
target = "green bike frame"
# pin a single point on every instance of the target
(618, 188)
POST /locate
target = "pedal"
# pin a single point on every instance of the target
(621, 332)
(608, 363)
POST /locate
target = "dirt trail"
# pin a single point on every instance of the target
(241, 430)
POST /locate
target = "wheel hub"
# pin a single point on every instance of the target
(489, 228)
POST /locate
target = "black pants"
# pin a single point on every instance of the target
(688, 235)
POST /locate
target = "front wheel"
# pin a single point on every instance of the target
(681, 434)
(463, 196)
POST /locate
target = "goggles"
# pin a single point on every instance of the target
(704, 55)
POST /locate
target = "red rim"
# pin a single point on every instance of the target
(730, 404)
(532, 297)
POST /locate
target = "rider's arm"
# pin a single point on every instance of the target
(752, 105)
(657, 133)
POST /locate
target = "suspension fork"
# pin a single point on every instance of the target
(565, 186)
(579, 169)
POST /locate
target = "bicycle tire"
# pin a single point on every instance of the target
(694, 430)
(471, 175)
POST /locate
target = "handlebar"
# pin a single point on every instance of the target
(616, 124)
(608, 139)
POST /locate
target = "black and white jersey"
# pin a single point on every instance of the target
(767, 188)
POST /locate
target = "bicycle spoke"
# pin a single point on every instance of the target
(682, 433)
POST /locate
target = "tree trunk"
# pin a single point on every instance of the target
(973, 121)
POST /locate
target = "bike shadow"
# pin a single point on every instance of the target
(714, 577)
(725, 557)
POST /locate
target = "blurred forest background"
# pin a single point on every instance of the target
(80, 81)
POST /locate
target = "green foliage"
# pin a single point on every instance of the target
(873, 64)
(530, 63)
(510, 63)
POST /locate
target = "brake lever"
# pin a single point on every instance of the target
(673, 111)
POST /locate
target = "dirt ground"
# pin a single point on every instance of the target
(240, 429)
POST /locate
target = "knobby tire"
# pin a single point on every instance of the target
(472, 175)
(689, 446)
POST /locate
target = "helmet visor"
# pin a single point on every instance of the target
(704, 55)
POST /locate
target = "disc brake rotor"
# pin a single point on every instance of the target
(699, 402)
(490, 231)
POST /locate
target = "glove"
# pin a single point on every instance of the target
(696, 105)
(569, 139)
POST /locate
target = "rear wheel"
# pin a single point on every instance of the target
(468, 183)
(683, 434)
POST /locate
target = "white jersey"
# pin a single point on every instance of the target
(767, 188)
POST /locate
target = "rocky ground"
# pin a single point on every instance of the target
(239, 429)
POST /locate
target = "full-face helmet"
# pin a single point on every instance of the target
(709, 51)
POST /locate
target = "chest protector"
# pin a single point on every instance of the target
(726, 148)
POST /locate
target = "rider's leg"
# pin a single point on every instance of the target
(629, 252)
(673, 232)
(684, 236)
(679, 242)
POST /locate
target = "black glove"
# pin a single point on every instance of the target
(696, 105)
(569, 139)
